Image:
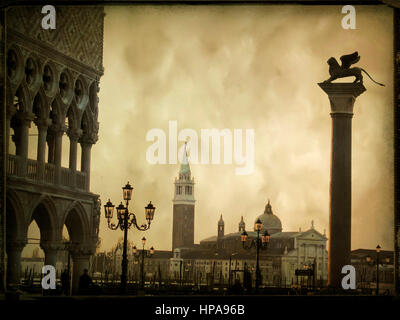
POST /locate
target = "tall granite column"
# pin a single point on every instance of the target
(342, 97)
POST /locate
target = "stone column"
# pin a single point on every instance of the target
(80, 261)
(42, 125)
(11, 110)
(24, 122)
(14, 249)
(74, 135)
(86, 144)
(50, 138)
(57, 131)
(50, 250)
(342, 97)
(79, 264)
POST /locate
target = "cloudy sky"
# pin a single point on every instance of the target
(244, 67)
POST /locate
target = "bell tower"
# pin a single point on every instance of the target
(221, 228)
(183, 207)
(242, 226)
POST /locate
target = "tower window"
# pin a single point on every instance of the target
(179, 190)
(188, 190)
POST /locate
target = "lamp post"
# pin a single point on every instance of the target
(260, 244)
(125, 221)
(142, 253)
(378, 249)
(180, 273)
(368, 259)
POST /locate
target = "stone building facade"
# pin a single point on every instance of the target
(52, 82)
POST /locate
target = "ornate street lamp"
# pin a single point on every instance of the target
(143, 253)
(260, 244)
(368, 259)
(125, 221)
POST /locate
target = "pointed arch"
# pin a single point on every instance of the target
(72, 116)
(40, 107)
(24, 98)
(56, 112)
(86, 123)
(44, 212)
(16, 223)
(77, 223)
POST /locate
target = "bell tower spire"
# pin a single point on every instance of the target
(184, 172)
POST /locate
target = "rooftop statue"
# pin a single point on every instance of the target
(341, 71)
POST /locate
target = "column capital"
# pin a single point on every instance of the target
(52, 246)
(89, 139)
(82, 250)
(342, 96)
(57, 129)
(25, 117)
(43, 123)
(74, 134)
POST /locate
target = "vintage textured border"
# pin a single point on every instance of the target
(395, 4)
(396, 116)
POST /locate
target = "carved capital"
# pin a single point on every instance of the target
(57, 129)
(342, 96)
(74, 134)
(25, 118)
(48, 246)
(89, 139)
(82, 249)
(43, 123)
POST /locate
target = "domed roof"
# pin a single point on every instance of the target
(270, 222)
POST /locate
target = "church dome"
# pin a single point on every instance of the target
(270, 222)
